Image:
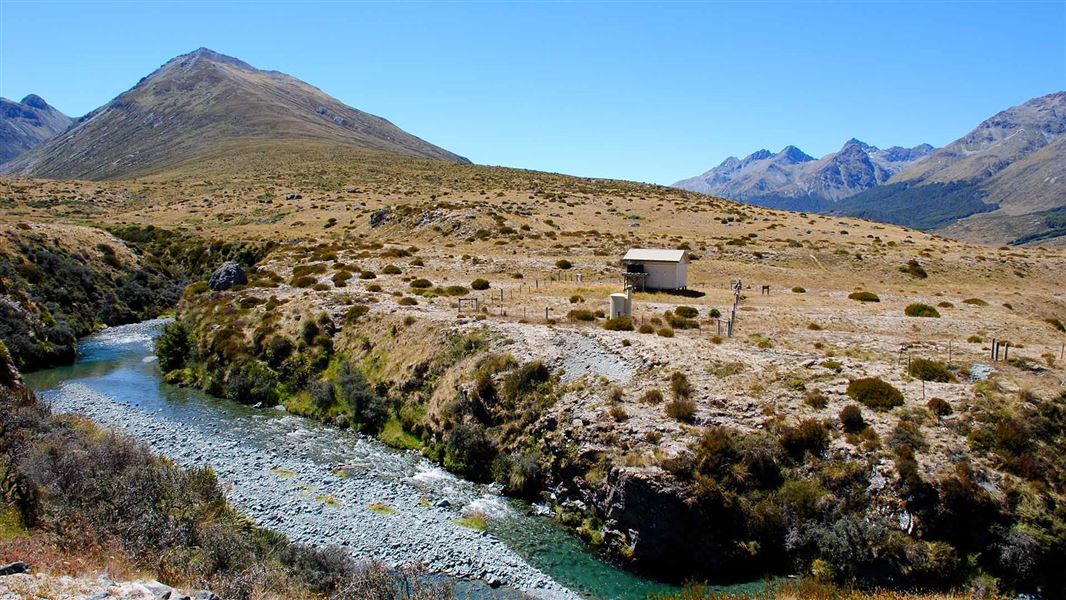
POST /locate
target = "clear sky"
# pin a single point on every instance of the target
(644, 91)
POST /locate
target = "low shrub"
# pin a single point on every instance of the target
(799, 290)
(652, 396)
(479, 284)
(646, 328)
(939, 407)
(851, 418)
(810, 436)
(686, 312)
(564, 264)
(914, 269)
(367, 275)
(391, 270)
(921, 310)
(680, 386)
(407, 301)
(683, 410)
(618, 324)
(875, 393)
(421, 284)
(665, 332)
(581, 315)
(816, 398)
(975, 302)
(930, 370)
(864, 296)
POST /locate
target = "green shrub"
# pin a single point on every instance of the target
(581, 315)
(172, 346)
(851, 418)
(479, 284)
(421, 284)
(1057, 324)
(930, 370)
(666, 332)
(456, 290)
(799, 290)
(564, 264)
(975, 339)
(618, 324)
(921, 310)
(975, 302)
(367, 275)
(340, 278)
(355, 312)
(686, 312)
(407, 301)
(715, 313)
(864, 296)
(391, 270)
(875, 393)
(646, 328)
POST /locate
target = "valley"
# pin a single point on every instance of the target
(384, 352)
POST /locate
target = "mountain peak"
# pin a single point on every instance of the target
(859, 143)
(35, 101)
(207, 54)
(792, 155)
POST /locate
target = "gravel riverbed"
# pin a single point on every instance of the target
(325, 487)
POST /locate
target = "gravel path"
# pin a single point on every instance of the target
(282, 487)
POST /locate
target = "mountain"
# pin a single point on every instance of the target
(24, 125)
(1003, 182)
(200, 101)
(792, 179)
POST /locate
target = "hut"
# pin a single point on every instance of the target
(656, 269)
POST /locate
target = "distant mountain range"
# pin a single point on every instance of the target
(1003, 182)
(196, 102)
(26, 124)
(791, 179)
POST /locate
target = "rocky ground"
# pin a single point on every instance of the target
(282, 488)
(44, 586)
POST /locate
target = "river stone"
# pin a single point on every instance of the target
(227, 276)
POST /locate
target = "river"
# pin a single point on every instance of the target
(324, 486)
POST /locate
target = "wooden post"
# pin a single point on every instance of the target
(1061, 350)
(949, 353)
(923, 390)
(1006, 351)
(545, 313)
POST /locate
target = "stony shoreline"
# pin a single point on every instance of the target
(282, 488)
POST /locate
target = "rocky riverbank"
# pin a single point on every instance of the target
(281, 485)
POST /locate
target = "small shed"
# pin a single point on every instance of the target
(656, 269)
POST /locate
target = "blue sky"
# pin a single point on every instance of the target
(644, 91)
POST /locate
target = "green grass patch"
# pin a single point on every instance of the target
(382, 509)
(473, 521)
(394, 435)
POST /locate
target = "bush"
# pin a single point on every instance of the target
(930, 370)
(366, 410)
(172, 346)
(391, 270)
(939, 407)
(686, 312)
(564, 264)
(851, 418)
(681, 409)
(914, 269)
(975, 302)
(864, 296)
(799, 290)
(809, 436)
(407, 301)
(479, 284)
(618, 324)
(355, 312)
(618, 413)
(421, 284)
(680, 386)
(921, 310)
(646, 328)
(666, 332)
(652, 396)
(815, 398)
(340, 278)
(468, 451)
(875, 393)
(581, 315)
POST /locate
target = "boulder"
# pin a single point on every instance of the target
(380, 217)
(14, 568)
(227, 276)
